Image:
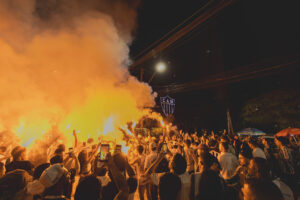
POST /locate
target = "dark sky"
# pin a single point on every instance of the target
(247, 33)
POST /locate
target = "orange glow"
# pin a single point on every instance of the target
(73, 77)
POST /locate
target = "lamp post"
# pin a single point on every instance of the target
(159, 68)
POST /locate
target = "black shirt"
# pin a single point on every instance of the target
(25, 165)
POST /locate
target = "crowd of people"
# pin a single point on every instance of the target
(170, 166)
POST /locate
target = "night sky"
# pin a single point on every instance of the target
(247, 33)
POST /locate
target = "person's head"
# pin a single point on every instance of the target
(223, 147)
(18, 153)
(39, 170)
(88, 188)
(59, 152)
(210, 186)
(178, 164)
(259, 168)
(62, 147)
(244, 157)
(188, 143)
(258, 189)
(203, 162)
(169, 186)
(253, 143)
(281, 141)
(140, 149)
(83, 156)
(56, 159)
(153, 146)
(202, 149)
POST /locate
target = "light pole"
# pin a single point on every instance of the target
(159, 68)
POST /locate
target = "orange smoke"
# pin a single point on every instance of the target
(70, 78)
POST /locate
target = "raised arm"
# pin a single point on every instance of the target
(119, 180)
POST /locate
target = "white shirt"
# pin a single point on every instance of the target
(258, 153)
(228, 163)
(285, 190)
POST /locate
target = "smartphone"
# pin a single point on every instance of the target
(118, 148)
(104, 150)
(165, 148)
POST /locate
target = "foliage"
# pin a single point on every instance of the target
(279, 108)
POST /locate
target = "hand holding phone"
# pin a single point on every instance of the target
(104, 150)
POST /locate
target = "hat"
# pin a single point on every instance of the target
(52, 175)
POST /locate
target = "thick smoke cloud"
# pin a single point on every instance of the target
(62, 63)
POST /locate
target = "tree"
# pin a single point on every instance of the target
(279, 109)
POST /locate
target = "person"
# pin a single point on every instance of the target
(13, 185)
(169, 186)
(227, 160)
(140, 162)
(285, 158)
(150, 188)
(118, 188)
(256, 151)
(178, 166)
(19, 161)
(57, 183)
(259, 189)
(88, 188)
(190, 157)
(210, 186)
(241, 172)
(259, 170)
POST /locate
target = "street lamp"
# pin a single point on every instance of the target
(159, 68)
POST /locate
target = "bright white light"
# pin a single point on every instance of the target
(160, 67)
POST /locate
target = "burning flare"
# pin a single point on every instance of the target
(55, 78)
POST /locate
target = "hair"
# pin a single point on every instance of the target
(210, 186)
(88, 188)
(263, 189)
(225, 145)
(17, 152)
(253, 142)
(140, 149)
(260, 169)
(169, 186)
(39, 170)
(284, 141)
(208, 160)
(163, 166)
(56, 159)
(188, 143)
(59, 151)
(61, 147)
(179, 164)
(132, 184)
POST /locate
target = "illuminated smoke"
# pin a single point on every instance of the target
(63, 65)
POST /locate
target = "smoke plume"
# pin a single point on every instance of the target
(63, 63)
